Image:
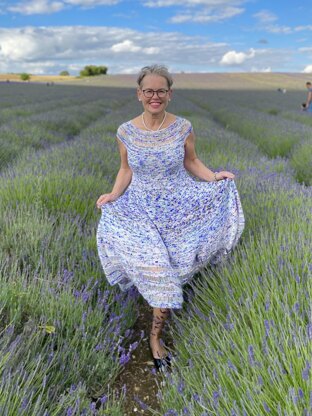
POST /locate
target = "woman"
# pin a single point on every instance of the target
(159, 224)
(308, 104)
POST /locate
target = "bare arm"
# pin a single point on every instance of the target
(196, 167)
(124, 174)
(123, 178)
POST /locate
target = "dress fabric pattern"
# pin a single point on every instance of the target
(167, 224)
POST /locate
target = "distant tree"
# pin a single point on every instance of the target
(92, 70)
(24, 76)
(64, 73)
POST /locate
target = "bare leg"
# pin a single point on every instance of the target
(159, 317)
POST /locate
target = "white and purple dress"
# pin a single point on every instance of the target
(167, 224)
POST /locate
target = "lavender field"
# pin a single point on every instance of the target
(243, 342)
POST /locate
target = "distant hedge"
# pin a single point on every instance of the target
(64, 73)
(92, 70)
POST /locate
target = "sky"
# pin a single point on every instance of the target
(49, 36)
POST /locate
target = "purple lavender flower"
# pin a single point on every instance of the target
(103, 399)
(196, 397)
(24, 403)
(181, 387)
(171, 412)
(143, 405)
(267, 327)
(300, 393)
(133, 346)
(251, 355)
(124, 358)
(266, 407)
(231, 365)
(306, 371)
(70, 411)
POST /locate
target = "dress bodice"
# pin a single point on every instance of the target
(156, 157)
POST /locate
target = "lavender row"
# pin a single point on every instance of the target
(53, 292)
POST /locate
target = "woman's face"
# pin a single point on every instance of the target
(154, 104)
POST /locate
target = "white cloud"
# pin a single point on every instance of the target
(279, 29)
(255, 69)
(306, 49)
(91, 3)
(237, 58)
(125, 46)
(129, 46)
(302, 28)
(191, 3)
(122, 50)
(117, 48)
(307, 69)
(53, 6)
(204, 16)
(37, 7)
(265, 16)
(200, 11)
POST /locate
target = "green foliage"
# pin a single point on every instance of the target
(301, 161)
(25, 77)
(92, 70)
(64, 73)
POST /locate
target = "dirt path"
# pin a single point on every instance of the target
(139, 373)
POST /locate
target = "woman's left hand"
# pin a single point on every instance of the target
(224, 174)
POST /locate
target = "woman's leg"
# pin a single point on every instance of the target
(159, 317)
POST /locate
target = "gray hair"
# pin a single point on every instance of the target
(155, 69)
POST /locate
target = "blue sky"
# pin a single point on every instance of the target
(47, 36)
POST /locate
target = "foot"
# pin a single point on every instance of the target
(158, 350)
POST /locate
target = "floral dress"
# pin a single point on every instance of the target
(167, 224)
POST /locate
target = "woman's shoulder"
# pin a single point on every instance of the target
(123, 131)
(185, 124)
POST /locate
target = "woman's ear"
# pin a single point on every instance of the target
(139, 94)
(170, 94)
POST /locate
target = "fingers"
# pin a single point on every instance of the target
(102, 200)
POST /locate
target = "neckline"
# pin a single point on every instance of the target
(154, 131)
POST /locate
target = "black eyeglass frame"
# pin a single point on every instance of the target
(157, 91)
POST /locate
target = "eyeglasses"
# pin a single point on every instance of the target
(149, 93)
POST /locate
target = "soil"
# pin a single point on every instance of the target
(139, 374)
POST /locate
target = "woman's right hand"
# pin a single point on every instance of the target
(103, 199)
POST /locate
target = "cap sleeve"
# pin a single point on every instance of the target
(187, 128)
(121, 134)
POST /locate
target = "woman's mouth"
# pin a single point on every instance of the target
(155, 104)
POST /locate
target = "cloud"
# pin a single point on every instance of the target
(190, 3)
(302, 28)
(210, 15)
(265, 16)
(279, 29)
(37, 7)
(307, 69)
(200, 11)
(117, 48)
(128, 46)
(48, 6)
(52, 49)
(237, 58)
(92, 3)
(306, 49)
(255, 69)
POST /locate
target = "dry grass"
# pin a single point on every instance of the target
(211, 81)
(37, 78)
